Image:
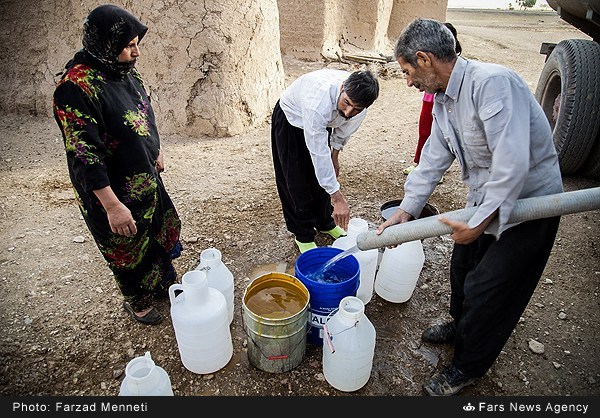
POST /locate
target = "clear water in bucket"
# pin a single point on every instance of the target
(320, 274)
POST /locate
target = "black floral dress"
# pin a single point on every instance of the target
(110, 138)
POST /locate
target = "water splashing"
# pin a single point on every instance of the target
(320, 276)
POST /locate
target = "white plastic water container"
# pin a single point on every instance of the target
(348, 346)
(144, 378)
(201, 323)
(399, 271)
(366, 259)
(219, 276)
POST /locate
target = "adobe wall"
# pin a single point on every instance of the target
(404, 11)
(25, 70)
(302, 27)
(212, 68)
(220, 66)
(313, 29)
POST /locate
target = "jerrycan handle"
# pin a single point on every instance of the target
(172, 289)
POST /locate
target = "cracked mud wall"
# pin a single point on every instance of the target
(365, 24)
(212, 67)
(303, 25)
(26, 73)
(405, 11)
(313, 29)
(221, 70)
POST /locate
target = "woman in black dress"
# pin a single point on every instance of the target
(114, 159)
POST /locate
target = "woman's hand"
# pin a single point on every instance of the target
(160, 162)
(120, 220)
(119, 216)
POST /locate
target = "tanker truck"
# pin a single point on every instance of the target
(569, 89)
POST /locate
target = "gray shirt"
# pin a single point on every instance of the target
(490, 122)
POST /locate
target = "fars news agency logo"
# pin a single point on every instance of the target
(468, 407)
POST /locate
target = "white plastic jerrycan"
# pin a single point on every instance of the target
(219, 276)
(366, 259)
(399, 271)
(348, 346)
(201, 323)
(144, 378)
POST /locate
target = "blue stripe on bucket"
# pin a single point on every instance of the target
(325, 297)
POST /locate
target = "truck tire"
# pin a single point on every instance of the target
(571, 80)
(591, 167)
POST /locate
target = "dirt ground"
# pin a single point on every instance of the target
(62, 328)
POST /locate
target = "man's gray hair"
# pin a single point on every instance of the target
(426, 35)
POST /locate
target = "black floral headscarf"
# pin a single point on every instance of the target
(106, 31)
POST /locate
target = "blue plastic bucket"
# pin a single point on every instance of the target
(325, 296)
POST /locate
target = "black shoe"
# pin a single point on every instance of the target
(442, 333)
(448, 382)
(153, 317)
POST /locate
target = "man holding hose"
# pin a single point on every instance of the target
(485, 118)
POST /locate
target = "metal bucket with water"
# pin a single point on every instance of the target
(275, 315)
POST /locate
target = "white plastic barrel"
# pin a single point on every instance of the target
(144, 378)
(399, 271)
(348, 346)
(201, 323)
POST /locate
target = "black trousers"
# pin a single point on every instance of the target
(492, 283)
(306, 205)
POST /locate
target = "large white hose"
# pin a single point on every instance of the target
(524, 210)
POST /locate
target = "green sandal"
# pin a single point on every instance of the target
(305, 246)
(409, 169)
(335, 233)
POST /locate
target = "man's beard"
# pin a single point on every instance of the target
(338, 109)
(342, 115)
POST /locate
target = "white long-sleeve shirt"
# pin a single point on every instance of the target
(489, 121)
(310, 103)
